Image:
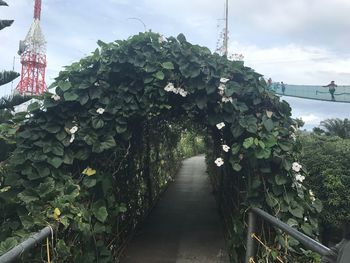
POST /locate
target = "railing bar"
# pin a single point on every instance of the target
(251, 247)
(15, 252)
(302, 238)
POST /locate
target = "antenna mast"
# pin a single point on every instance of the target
(226, 30)
(33, 58)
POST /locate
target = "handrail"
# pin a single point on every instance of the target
(18, 250)
(307, 241)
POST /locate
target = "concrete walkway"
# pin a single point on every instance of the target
(185, 226)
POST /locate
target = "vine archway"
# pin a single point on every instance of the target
(84, 157)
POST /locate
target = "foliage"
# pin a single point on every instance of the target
(337, 127)
(7, 104)
(10, 102)
(191, 143)
(110, 118)
(7, 76)
(328, 162)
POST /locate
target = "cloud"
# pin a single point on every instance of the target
(311, 119)
(296, 64)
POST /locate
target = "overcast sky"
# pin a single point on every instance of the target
(295, 41)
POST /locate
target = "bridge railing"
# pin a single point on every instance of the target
(26, 245)
(307, 241)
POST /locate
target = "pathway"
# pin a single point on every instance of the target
(185, 226)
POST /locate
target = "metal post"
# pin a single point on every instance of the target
(250, 241)
(17, 251)
(226, 31)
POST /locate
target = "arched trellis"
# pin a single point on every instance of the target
(80, 141)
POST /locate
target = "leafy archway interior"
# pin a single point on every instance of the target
(94, 156)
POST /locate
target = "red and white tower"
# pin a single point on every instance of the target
(33, 58)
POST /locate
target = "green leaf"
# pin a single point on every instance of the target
(280, 179)
(159, 75)
(270, 141)
(168, 65)
(57, 149)
(33, 106)
(307, 229)
(64, 85)
(97, 123)
(236, 131)
(263, 153)
(297, 212)
(235, 148)
(292, 222)
(108, 143)
(268, 124)
(28, 196)
(70, 96)
(285, 146)
(287, 163)
(317, 204)
(55, 161)
(201, 101)
(89, 182)
(237, 167)
(248, 142)
(100, 213)
(7, 245)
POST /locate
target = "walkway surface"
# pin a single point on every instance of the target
(185, 226)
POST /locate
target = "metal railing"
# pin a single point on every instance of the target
(29, 243)
(307, 241)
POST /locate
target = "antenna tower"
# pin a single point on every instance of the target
(33, 58)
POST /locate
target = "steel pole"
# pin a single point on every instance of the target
(17, 251)
(250, 253)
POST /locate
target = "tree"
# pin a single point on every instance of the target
(328, 162)
(6, 76)
(337, 127)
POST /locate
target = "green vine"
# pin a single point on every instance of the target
(93, 157)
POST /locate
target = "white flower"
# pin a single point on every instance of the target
(169, 87)
(97, 84)
(221, 87)
(219, 162)
(225, 147)
(100, 110)
(294, 128)
(296, 167)
(220, 125)
(161, 39)
(182, 92)
(269, 113)
(312, 196)
(226, 99)
(72, 137)
(175, 91)
(29, 115)
(293, 136)
(299, 177)
(305, 219)
(73, 130)
(221, 92)
(55, 97)
(224, 80)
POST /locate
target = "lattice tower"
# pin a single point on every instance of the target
(33, 58)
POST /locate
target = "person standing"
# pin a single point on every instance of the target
(283, 87)
(331, 87)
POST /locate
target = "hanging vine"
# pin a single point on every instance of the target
(93, 157)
